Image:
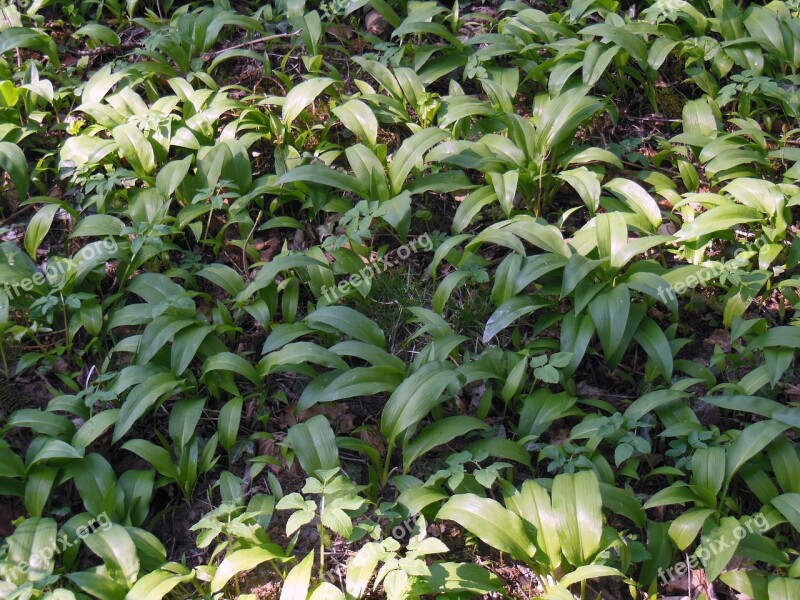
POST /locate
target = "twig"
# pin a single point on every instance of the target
(652, 119)
(258, 41)
(16, 214)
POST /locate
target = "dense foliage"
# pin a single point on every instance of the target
(348, 300)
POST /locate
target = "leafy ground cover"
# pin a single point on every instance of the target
(351, 300)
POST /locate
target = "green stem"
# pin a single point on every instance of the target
(389, 452)
(6, 372)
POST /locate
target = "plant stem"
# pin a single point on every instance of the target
(6, 372)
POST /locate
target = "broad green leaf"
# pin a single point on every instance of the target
(156, 585)
(94, 477)
(651, 337)
(723, 539)
(609, 312)
(698, 118)
(38, 227)
(410, 154)
(314, 443)
(586, 183)
(637, 199)
(135, 148)
(359, 118)
(155, 455)
(99, 33)
(233, 363)
(140, 399)
(532, 503)
(585, 572)
(415, 398)
(458, 578)
(684, 529)
(508, 312)
(27, 545)
(348, 321)
(301, 96)
(789, 507)
(752, 440)
(717, 219)
(295, 586)
(438, 433)
(229, 417)
(492, 523)
(12, 160)
(114, 545)
(241, 561)
(577, 505)
(33, 39)
(38, 485)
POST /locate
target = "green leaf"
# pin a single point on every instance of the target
(114, 545)
(632, 43)
(135, 148)
(609, 312)
(651, 337)
(11, 464)
(789, 507)
(28, 544)
(698, 118)
(233, 363)
(410, 154)
(94, 477)
(782, 588)
(532, 503)
(438, 433)
(240, 561)
(25, 37)
(99, 33)
(586, 183)
(348, 321)
(577, 505)
(637, 199)
(359, 118)
(295, 586)
(229, 417)
(155, 455)
(12, 160)
(458, 578)
(296, 355)
(140, 399)
(717, 219)
(302, 95)
(156, 585)
(39, 484)
(752, 440)
(43, 422)
(585, 572)
(38, 227)
(350, 383)
(684, 529)
(415, 398)
(508, 312)
(94, 428)
(721, 537)
(492, 523)
(314, 443)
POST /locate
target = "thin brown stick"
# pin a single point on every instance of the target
(13, 216)
(258, 41)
